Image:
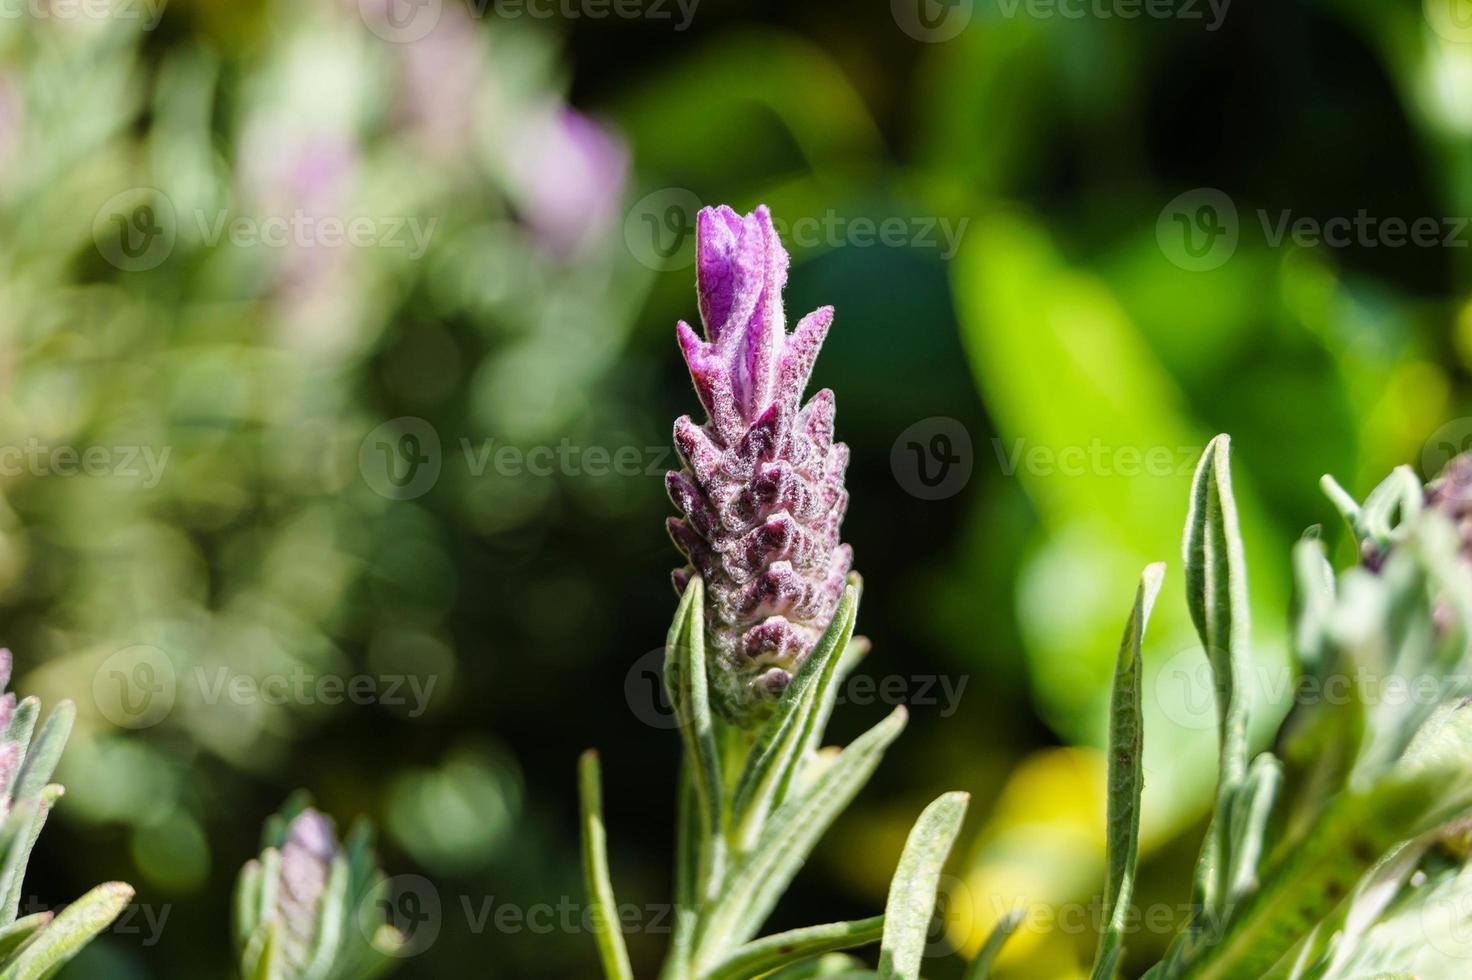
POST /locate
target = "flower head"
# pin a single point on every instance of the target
(761, 491)
(306, 862)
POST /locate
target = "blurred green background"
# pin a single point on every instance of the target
(336, 339)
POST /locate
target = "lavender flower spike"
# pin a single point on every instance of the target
(306, 863)
(761, 491)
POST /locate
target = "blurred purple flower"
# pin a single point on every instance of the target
(567, 174)
(445, 82)
(762, 489)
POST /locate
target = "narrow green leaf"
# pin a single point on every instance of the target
(258, 961)
(687, 869)
(778, 751)
(911, 903)
(1316, 591)
(1126, 774)
(834, 966)
(1216, 592)
(1347, 506)
(601, 905)
(1249, 826)
(42, 803)
(753, 889)
(21, 931)
(816, 724)
(76, 926)
(22, 726)
(1309, 877)
(689, 692)
(757, 959)
(1391, 506)
(246, 909)
(45, 752)
(332, 915)
(981, 967)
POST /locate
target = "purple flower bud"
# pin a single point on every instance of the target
(761, 491)
(306, 862)
(1451, 494)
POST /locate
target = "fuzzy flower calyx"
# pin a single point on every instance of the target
(761, 491)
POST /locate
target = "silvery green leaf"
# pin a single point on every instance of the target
(76, 926)
(18, 834)
(332, 916)
(246, 907)
(912, 893)
(687, 682)
(21, 931)
(1251, 809)
(1334, 943)
(260, 957)
(1126, 774)
(835, 966)
(762, 956)
(852, 652)
(22, 726)
(981, 967)
(1308, 878)
(779, 748)
(1342, 500)
(1316, 592)
(1391, 507)
(1216, 592)
(602, 907)
(753, 888)
(45, 752)
(687, 867)
(258, 954)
